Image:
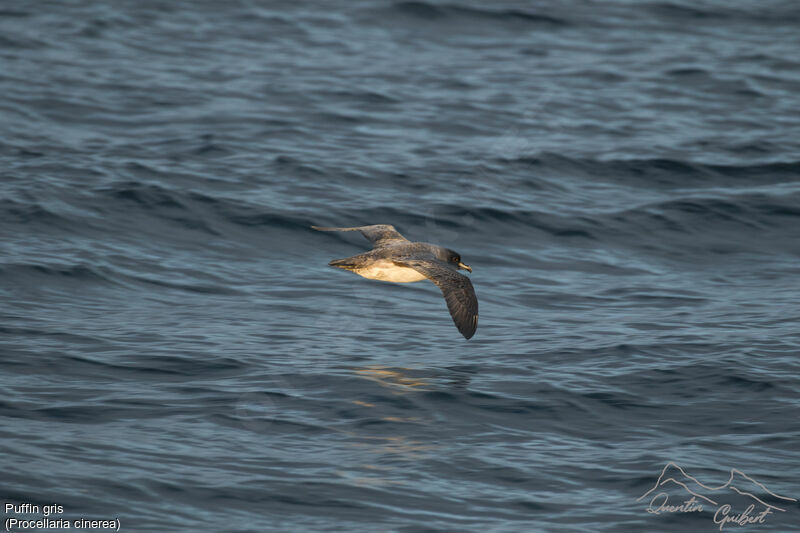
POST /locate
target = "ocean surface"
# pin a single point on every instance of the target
(622, 176)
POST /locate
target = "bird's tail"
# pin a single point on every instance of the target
(321, 228)
(346, 264)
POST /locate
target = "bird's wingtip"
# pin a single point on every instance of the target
(469, 329)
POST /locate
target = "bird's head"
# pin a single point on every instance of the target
(454, 258)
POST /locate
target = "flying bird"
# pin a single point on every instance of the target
(394, 258)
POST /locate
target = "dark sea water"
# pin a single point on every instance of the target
(622, 176)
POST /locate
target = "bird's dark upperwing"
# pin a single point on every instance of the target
(456, 288)
(378, 234)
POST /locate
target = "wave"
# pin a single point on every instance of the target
(27, 212)
(659, 172)
(781, 13)
(18, 272)
(29, 274)
(687, 206)
(433, 12)
(702, 225)
(194, 209)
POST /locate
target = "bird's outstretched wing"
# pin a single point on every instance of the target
(378, 234)
(456, 288)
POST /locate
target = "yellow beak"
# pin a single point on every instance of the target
(465, 267)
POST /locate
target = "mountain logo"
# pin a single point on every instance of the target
(739, 491)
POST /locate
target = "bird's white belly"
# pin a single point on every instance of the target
(388, 271)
